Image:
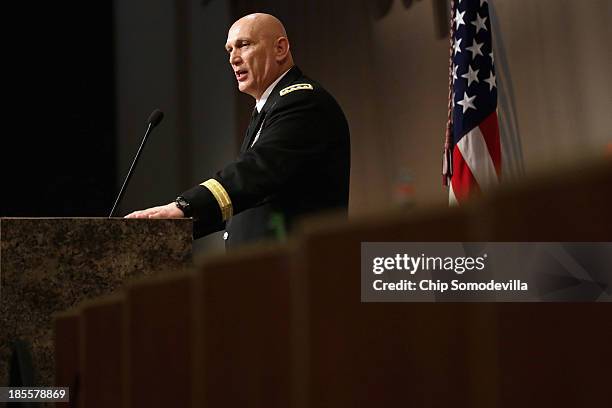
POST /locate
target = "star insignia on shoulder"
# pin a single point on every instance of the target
(295, 87)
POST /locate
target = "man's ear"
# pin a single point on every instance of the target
(282, 48)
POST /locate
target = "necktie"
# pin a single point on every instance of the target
(252, 124)
(253, 121)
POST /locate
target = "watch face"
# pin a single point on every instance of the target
(182, 205)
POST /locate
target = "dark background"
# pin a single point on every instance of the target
(58, 147)
(64, 152)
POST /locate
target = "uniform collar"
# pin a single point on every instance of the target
(288, 76)
(264, 97)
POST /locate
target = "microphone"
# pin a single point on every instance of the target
(154, 119)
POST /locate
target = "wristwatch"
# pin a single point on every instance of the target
(183, 205)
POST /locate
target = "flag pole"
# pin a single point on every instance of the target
(447, 158)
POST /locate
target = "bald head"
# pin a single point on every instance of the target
(258, 52)
(261, 24)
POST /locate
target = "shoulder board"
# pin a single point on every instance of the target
(295, 87)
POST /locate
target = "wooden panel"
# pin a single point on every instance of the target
(100, 352)
(242, 340)
(352, 354)
(159, 344)
(347, 353)
(570, 205)
(555, 354)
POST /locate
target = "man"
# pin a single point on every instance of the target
(295, 158)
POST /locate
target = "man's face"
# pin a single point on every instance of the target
(252, 57)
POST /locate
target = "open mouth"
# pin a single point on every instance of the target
(241, 75)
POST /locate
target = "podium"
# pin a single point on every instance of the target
(48, 265)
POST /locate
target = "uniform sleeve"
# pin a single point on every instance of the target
(206, 211)
(291, 141)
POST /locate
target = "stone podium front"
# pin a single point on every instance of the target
(48, 265)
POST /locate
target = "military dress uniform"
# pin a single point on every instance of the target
(294, 161)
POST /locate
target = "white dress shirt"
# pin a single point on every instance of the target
(264, 97)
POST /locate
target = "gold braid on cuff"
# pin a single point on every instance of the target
(221, 196)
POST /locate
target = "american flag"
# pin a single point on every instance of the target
(472, 159)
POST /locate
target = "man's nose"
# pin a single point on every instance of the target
(234, 58)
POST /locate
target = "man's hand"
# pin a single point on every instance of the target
(164, 211)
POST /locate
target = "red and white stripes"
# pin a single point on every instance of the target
(476, 161)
